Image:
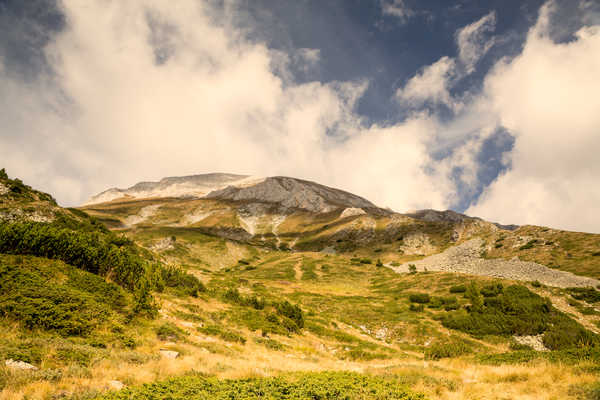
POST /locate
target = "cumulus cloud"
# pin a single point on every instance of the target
(547, 98)
(431, 84)
(136, 91)
(142, 90)
(472, 41)
(396, 8)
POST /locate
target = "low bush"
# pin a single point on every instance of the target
(447, 349)
(170, 332)
(416, 307)
(290, 311)
(270, 344)
(222, 333)
(528, 245)
(421, 298)
(587, 294)
(518, 311)
(314, 385)
(458, 289)
(29, 294)
(182, 282)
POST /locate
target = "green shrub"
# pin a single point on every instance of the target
(170, 332)
(293, 312)
(458, 289)
(421, 298)
(182, 282)
(416, 307)
(314, 385)
(412, 269)
(518, 311)
(448, 349)
(491, 290)
(226, 335)
(528, 245)
(270, 344)
(73, 307)
(587, 294)
(536, 284)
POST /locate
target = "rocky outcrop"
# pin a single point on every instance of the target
(22, 365)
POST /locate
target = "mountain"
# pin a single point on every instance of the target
(318, 290)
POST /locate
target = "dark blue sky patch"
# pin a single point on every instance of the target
(26, 28)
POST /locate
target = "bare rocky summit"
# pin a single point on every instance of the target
(288, 193)
(176, 186)
(293, 193)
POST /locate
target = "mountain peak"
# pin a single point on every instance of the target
(289, 193)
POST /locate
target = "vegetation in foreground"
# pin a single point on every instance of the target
(324, 385)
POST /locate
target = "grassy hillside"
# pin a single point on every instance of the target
(95, 309)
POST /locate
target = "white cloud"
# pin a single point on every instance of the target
(144, 90)
(430, 85)
(548, 99)
(472, 42)
(396, 8)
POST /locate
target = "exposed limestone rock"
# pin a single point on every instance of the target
(3, 189)
(535, 342)
(22, 365)
(351, 212)
(143, 215)
(417, 243)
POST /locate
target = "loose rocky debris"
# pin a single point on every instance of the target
(164, 244)
(17, 214)
(535, 342)
(466, 258)
(22, 365)
(3, 189)
(169, 354)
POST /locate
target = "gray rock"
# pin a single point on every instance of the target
(169, 354)
(22, 365)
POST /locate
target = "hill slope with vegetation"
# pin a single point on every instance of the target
(166, 309)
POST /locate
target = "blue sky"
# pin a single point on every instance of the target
(482, 107)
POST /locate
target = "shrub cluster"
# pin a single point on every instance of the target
(517, 311)
(587, 294)
(74, 307)
(458, 289)
(421, 298)
(314, 385)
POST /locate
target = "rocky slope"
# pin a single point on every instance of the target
(178, 186)
(291, 193)
(466, 258)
